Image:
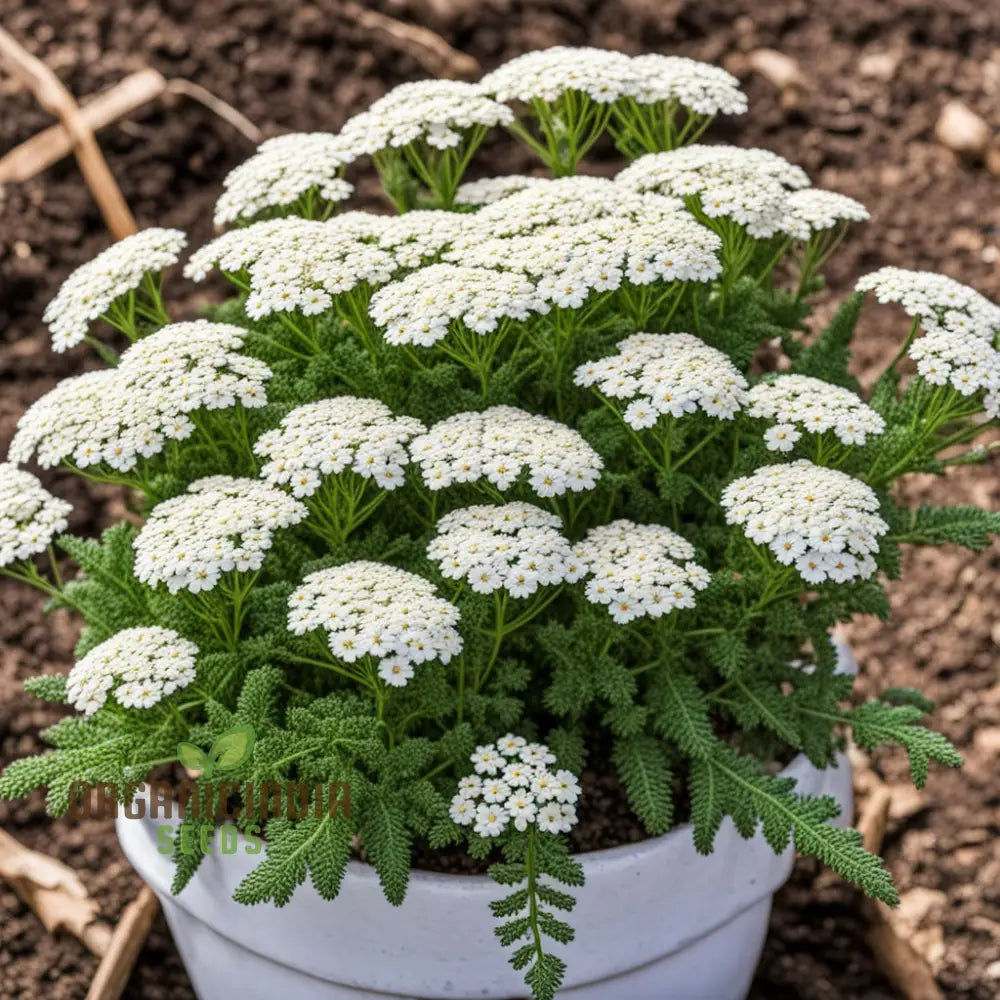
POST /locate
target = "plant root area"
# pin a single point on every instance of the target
(859, 116)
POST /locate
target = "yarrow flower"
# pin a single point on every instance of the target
(701, 87)
(419, 308)
(519, 789)
(491, 189)
(570, 262)
(370, 609)
(640, 570)
(439, 112)
(222, 524)
(91, 290)
(515, 547)
(121, 415)
(283, 171)
(501, 443)
(820, 520)
(326, 438)
(546, 75)
(565, 201)
(667, 373)
(934, 300)
(812, 405)
(139, 667)
(30, 516)
(812, 210)
(749, 186)
(952, 354)
(293, 264)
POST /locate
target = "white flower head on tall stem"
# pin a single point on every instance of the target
(419, 308)
(640, 570)
(370, 609)
(698, 86)
(520, 789)
(438, 112)
(935, 300)
(122, 415)
(30, 516)
(333, 435)
(953, 354)
(515, 547)
(282, 172)
(501, 443)
(91, 290)
(294, 264)
(812, 210)
(138, 667)
(814, 406)
(565, 201)
(221, 525)
(667, 374)
(748, 186)
(822, 521)
(546, 75)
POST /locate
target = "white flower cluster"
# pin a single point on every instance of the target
(491, 189)
(293, 264)
(419, 308)
(436, 111)
(820, 520)
(667, 373)
(282, 171)
(515, 547)
(325, 438)
(416, 238)
(30, 516)
(120, 415)
(91, 289)
(812, 210)
(221, 524)
(371, 609)
(545, 75)
(640, 569)
(565, 201)
(952, 354)
(702, 87)
(570, 262)
(802, 403)
(934, 299)
(500, 443)
(749, 186)
(146, 664)
(513, 784)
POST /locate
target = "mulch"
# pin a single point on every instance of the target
(876, 76)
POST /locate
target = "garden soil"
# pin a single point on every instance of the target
(873, 77)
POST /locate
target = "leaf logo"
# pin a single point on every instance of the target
(230, 749)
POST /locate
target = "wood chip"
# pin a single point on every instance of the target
(129, 937)
(55, 892)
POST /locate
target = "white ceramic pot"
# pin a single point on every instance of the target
(655, 921)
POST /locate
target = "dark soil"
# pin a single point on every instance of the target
(876, 77)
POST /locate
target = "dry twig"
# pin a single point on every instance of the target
(427, 47)
(126, 943)
(195, 92)
(54, 892)
(898, 960)
(48, 147)
(57, 100)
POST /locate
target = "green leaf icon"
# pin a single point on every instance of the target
(194, 758)
(232, 747)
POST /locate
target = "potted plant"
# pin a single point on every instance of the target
(482, 561)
